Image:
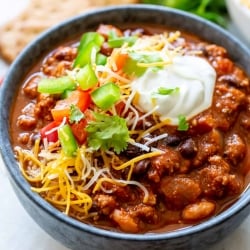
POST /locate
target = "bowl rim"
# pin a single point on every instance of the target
(16, 176)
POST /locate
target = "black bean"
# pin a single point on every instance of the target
(141, 167)
(132, 151)
(188, 148)
(171, 140)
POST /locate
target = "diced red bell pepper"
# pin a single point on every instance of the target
(48, 133)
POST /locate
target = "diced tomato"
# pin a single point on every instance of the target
(79, 131)
(62, 109)
(119, 108)
(48, 132)
(120, 60)
(104, 29)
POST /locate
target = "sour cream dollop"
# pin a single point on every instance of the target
(194, 78)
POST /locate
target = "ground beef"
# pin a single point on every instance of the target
(235, 148)
(43, 106)
(227, 103)
(208, 145)
(216, 180)
(104, 203)
(169, 163)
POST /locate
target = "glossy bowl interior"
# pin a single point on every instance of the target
(77, 235)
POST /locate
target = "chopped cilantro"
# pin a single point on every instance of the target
(108, 132)
(75, 114)
(166, 91)
(146, 58)
(182, 124)
(115, 41)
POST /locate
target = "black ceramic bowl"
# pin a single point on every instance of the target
(77, 235)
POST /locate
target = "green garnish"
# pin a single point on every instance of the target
(213, 10)
(106, 95)
(67, 140)
(56, 85)
(166, 91)
(132, 66)
(89, 41)
(182, 124)
(108, 132)
(115, 41)
(145, 58)
(86, 77)
(75, 114)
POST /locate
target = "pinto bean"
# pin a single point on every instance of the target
(198, 210)
(125, 221)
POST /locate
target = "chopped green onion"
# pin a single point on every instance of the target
(182, 124)
(67, 140)
(86, 77)
(56, 85)
(106, 95)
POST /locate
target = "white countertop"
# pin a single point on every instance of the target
(18, 231)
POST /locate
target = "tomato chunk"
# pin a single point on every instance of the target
(77, 97)
(49, 133)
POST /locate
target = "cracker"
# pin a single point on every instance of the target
(40, 15)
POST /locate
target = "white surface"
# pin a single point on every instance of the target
(240, 14)
(19, 232)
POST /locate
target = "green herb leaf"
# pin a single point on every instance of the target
(182, 124)
(108, 132)
(213, 10)
(115, 41)
(146, 58)
(75, 114)
(166, 91)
